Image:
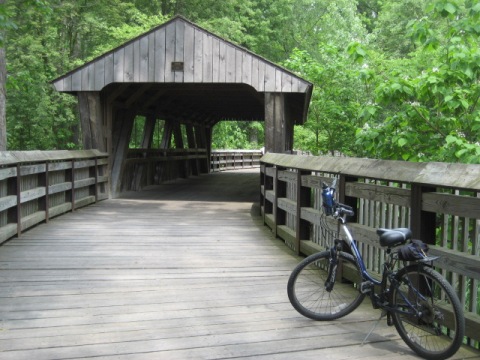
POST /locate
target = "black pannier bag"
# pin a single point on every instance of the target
(416, 250)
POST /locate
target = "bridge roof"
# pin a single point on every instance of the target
(189, 68)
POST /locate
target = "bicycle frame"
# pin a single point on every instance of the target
(348, 238)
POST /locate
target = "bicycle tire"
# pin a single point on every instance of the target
(307, 293)
(439, 332)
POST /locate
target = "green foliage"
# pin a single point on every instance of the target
(433, 115)
(392, 26)
(238, 135)
(393, 79)
(334, 104)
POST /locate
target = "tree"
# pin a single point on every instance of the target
(435, 114)
(392, 32)
(334, 105)
(5, 23)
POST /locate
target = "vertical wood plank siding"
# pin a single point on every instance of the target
(384, 194)
(36, 186)
(207, 58)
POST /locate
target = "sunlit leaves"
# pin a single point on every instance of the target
(434, 112)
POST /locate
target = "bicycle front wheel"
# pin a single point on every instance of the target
(309, 294)
(428, 313)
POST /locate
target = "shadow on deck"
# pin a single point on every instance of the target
(179, 271)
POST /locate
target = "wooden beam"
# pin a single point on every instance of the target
(278, 124)
(124, 125)
(192, 144)
(167, 135)
(91, 118)
(181, 164)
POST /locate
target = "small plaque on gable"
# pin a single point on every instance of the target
(177, 65)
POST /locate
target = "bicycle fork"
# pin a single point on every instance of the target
(332, 269)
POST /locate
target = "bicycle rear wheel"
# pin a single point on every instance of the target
(433, 325)
(307, 287)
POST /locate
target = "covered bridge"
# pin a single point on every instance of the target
(190, 79)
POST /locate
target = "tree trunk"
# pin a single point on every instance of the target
(3, 90)
(3, 100)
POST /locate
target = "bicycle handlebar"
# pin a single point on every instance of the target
(342, 209)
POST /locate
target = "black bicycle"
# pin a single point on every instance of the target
(415, 298)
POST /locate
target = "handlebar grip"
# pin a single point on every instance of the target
(348, 210)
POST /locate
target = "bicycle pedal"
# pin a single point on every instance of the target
(366, 287)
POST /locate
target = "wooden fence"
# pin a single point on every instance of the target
(440, 202)
(36, 186)
(221, 160)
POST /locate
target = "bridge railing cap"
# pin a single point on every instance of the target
(451, 175)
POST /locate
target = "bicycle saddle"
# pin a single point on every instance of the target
(394, 237)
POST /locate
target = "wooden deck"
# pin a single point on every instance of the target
(180, 271)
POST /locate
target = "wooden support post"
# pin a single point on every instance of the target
(167, 135)
(72, 192)
(192, 145)
(46, 203)
(18, 188)
(96, 179)
(268, 185)
(207, 134)
(91, 118)
(278, 124)
(280, 189)
(302, 227)
(348, 200)
(181, 165)
(124, 125)
(422, 223)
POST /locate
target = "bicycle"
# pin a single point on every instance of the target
(416, 299)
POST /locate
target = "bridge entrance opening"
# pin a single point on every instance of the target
(183, 79)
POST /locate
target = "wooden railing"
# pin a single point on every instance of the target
(36, 186)
(221, 160)
(145, 167)
(439, 201)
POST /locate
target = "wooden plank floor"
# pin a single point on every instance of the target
(181, 271)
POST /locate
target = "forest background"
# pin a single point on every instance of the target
(392, 79)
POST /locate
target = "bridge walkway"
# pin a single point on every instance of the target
(179, 271)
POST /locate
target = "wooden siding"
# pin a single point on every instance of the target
(206, 58)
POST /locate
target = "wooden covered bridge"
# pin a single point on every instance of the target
(183, 80)
(187, 269)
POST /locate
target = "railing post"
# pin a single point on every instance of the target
(73, 184)
(348, 200)
(96, 179)
(18, 213)
(280, 189)
(422, 223)
(47, 193)
(267, 185)
(302, 227)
